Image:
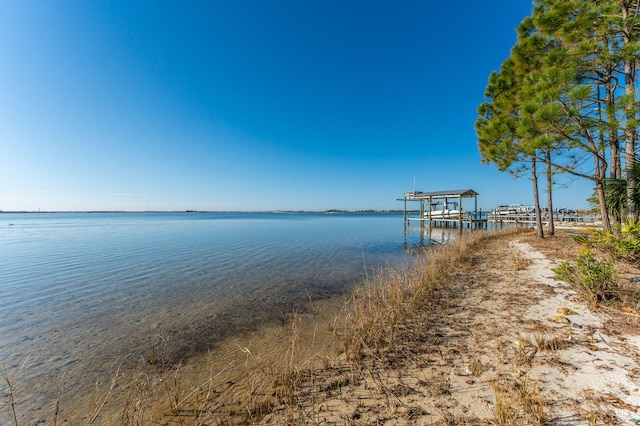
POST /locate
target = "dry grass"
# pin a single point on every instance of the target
(518, 402)
(384, 325)
(374, 320)
(379, 311)
(560, 246)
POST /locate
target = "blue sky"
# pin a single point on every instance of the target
(249, 105)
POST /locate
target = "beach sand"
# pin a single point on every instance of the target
(505, 344)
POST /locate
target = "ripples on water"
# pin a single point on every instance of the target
(80, 292)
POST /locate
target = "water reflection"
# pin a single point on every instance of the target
(419, 236)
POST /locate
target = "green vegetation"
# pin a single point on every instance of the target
(624, 244)
(592, 278)
(594, 275)
(566, 98)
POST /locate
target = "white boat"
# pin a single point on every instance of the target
(445, 212)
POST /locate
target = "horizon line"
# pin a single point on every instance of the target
(204, 211)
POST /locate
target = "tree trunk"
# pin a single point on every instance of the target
(536, 198)
(615, 168)
(630, 138)
(630, 111)
(606, 224)
(551, 226)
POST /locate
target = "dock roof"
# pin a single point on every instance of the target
(455, 193)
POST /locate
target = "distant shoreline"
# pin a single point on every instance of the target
(203, 211)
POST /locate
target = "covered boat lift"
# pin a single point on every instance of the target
(429, 199)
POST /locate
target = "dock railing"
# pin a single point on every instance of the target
(501, 216)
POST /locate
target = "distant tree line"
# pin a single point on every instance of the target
(565, 101)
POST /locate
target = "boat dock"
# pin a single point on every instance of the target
(522, 217)
(434, 208)
(446, 209)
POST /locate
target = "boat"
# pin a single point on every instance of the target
(445, 212)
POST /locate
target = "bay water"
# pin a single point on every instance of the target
(81, 293)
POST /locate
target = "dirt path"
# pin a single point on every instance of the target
(504, 343)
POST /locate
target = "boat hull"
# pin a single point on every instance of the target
(445, 214)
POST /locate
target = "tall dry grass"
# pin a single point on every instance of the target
(254, 385)
(379, 310)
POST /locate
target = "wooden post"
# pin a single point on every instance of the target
(405, 208)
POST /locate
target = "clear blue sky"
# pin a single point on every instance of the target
(249, 105)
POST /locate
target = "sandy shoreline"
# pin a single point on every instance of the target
(497, 344)
(495, 336)
(490, 348)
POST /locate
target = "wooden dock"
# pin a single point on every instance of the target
(445, 217)
(530, 218)
(430, 202)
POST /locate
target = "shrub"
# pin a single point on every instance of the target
(625, 244)
(593, 279)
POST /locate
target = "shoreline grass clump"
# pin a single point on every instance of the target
(519, 402)
(380, 310)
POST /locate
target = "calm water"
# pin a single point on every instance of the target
(80, 293)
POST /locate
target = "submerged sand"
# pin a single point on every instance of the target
(503, 342)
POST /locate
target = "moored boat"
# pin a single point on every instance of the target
(445, 212)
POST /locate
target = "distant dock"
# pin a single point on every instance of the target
(498, 217)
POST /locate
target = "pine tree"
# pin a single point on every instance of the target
(571, 81)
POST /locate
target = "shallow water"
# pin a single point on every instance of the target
(80, 294)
